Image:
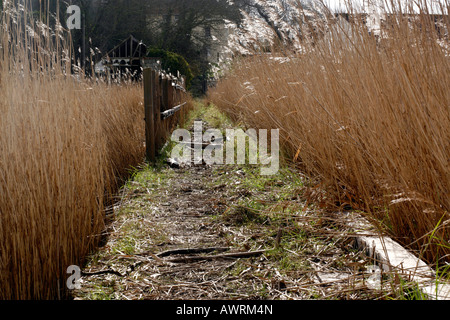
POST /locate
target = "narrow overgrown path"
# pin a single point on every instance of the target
(222, 232)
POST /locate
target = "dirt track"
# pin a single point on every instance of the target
(222, 232)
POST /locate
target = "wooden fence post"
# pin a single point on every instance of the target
(179, 94)
(170, 104)
(149, 115)
(157, 111)
(160, 96)
(165, 106)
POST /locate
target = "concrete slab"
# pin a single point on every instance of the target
(391, 257)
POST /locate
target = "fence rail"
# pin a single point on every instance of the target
(166, 105)
(171, 112)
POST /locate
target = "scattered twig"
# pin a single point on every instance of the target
(96, 273)
(191, 251)
(235, 255)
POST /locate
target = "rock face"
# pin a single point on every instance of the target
(264, 24)
(267, 22)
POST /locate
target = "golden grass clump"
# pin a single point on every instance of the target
(63, 143)
(369, 115)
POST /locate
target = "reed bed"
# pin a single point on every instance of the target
(367, 116)
(64, 144)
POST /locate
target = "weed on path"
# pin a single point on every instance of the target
(223, 232)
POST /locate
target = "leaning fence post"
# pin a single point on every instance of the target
(149, 115)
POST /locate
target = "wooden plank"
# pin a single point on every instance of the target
(149, 115)
(164, 106)
(183, 112)
(170, 103)
(171, 112)
(158, 108)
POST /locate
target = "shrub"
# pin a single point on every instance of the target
(173, 62)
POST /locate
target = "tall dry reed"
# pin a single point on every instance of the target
(63, 144)
(369, 116)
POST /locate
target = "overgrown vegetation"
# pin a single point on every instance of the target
(367, 116)
(302, 252)
(65, 145)
(176, 26)
(172, 62)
